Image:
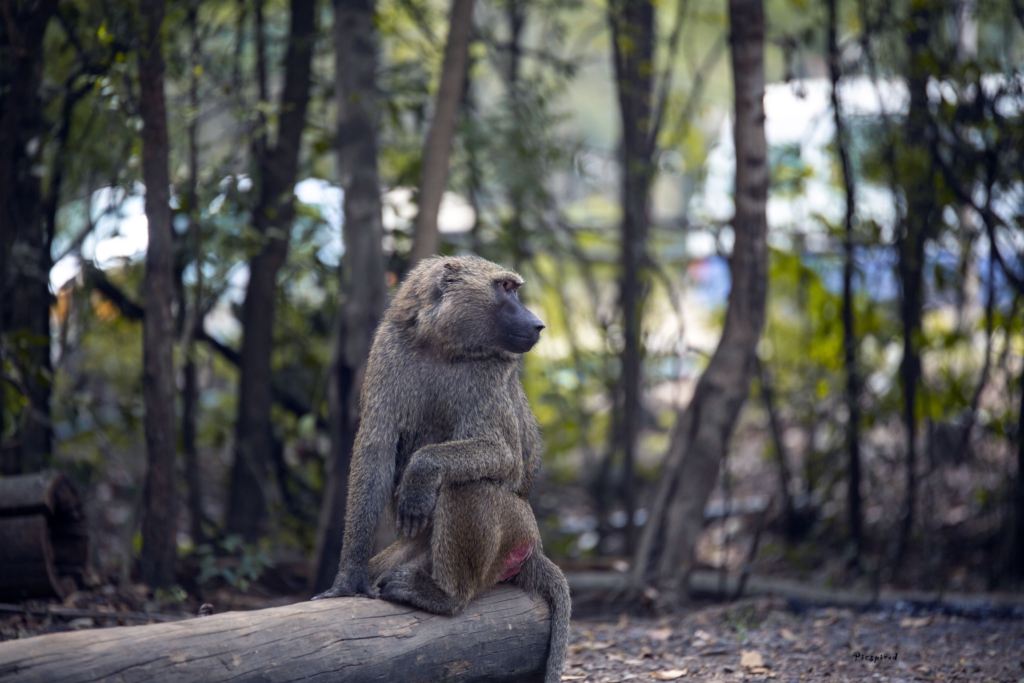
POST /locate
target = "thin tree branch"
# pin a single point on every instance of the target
(98, 280)
(664, 89)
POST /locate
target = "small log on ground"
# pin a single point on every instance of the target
(708, 583)
(44, 544)
(502, 636)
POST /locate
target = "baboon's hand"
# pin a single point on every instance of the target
(348, 584)
(417, 495)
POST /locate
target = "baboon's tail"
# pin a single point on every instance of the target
(540, 575)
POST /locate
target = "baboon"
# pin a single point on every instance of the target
(447, 442)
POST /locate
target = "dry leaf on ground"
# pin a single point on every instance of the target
(589, 645)
(660, 634)
(751, 658)
(669, 674)
(912, 622)
(701, 634)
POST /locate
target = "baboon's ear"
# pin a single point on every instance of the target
(449, 274)
(442, 278)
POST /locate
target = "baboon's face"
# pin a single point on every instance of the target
(516, 328)
(465, 307)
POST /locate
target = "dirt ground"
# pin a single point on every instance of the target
(764, 640)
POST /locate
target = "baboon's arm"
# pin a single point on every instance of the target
(370, 482)
(451, 462)
(466, 460)
(533, 450)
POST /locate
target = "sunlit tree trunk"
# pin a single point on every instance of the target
(701, 436)
(160, 504)
(24, 233)
(363, 269)
(442, 130)
(272, 217)
(633, 34)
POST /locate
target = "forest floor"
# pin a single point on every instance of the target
(765, 640)
(755, 639)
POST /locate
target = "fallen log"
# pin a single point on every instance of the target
(502, 636)
(708, 583)
(43, 536)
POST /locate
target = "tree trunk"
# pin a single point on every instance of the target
(194, 315)
(701, 436)
(781, 460)
(632, 26)
(514, 228)
(502, 636)
(442, 130)
(24, 235)
(849, 333)
(918, 184)
(160, 501)
(277, 169)
(363, 284)
(28, 298)
(1017, 557)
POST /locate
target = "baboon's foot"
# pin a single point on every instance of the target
(345, 587)
(398, 585)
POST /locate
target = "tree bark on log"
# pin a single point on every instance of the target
(503, 636)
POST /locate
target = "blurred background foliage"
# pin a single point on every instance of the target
(534, 184)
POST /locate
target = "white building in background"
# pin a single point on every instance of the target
(799, 119)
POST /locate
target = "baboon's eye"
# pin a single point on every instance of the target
(509, 285)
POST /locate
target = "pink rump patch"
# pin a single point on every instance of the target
(515, 560)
